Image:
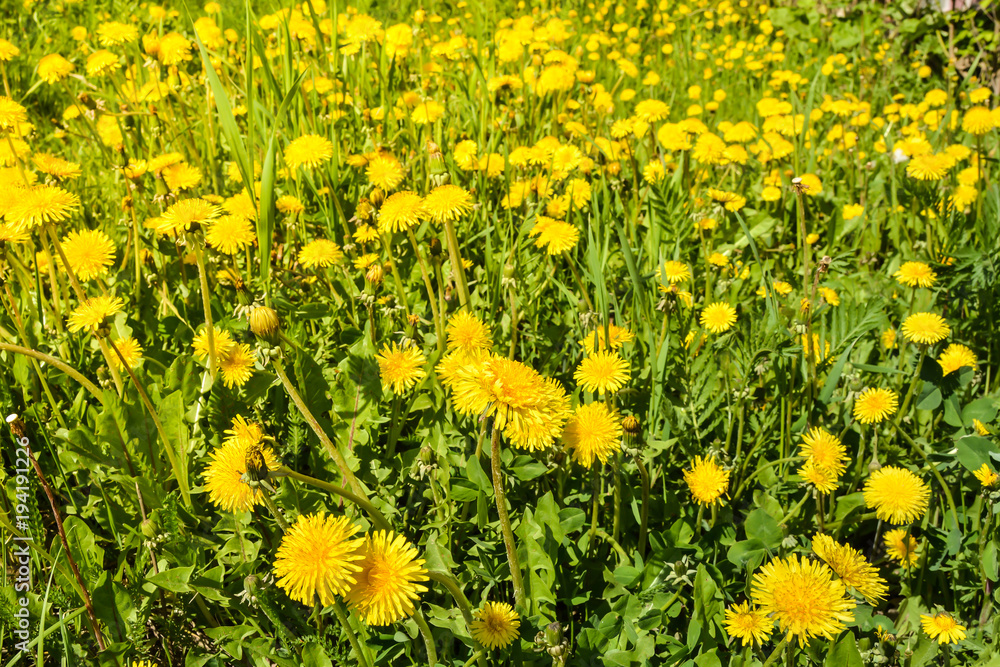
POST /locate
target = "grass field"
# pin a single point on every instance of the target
(471, 334)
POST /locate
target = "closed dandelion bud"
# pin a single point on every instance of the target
(264, 322)
(631, 427)
(256, 463)
(553, 634)
(435, 248)
(252, 584)
(426, 455)
(365, 211)
(376, 197)
(375, 275)
(149, 529)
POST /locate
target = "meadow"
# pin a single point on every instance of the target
(461, 333)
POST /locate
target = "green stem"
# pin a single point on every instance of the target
(457, 267)
(338, 610)
(644, 511)
(56, 363)
(934, 471)
(331, 448)
(274, 511)
(425, 630)
(913, 383)
(425, 274)
(377, 518)
(776, 653)
(171, 456)
(508, 534)
(206, 304)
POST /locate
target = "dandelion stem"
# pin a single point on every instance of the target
(377, 518)
(171, 456)
(206, 304)
(508, 534)
(644, 510)
(338, 610)
(430, 290)
(274, 510)
(913, 383)
(331, 448)
(428, 636)
(56, 363)
(776, 653)
(457, 267)
(934, 471)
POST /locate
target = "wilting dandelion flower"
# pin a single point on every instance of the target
(89, 253)
(400, 368)
(803, 597)
(706, 480)
(592, 432)
(318, 558)
(925, 328)
(92, 313)
(901, 546)
(718, 317)
(748, 624)
(852, 568)
(495, 625)
(874, 405)
(943, 627)
(602, 372)
(387, 585)
(897, 495)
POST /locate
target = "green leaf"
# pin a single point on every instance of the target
(762, 526)
(974, 451)
(844, 653)
(474, 473)
(990, 564)
(174, 580)
(983, 409)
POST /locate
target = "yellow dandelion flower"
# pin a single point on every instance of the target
(12, 114)
(310, 150)
(89, 253)
(929, 167)
(852, 568)
(467, 333)
(555, 236)
(92, 313)
(54, 68)
(718, 317)
(318, 559)
(956, 356)
(230, 234)
(706, 480)
(986, 477)
(874, 405)
(675, 272)
(897, 495)
(385, 172)
(915, 274)
(130, 350)
(237, 365)
(529, 408)
(400, 368)
(925, 328)
(602, 372)
(321, 253)
(401, 211)
(888, 339)
(387, 585)
(222, 342)
(447, 203)
(224, 476)
(803, 597)
(977, 121)
(595, 340)
(114, 33)
(824, 449)
(39, 205)
(56, 166)
(748, 624)
(901, 547)
(495, 625)
(593, 432)
(185, 213)
(943, 627)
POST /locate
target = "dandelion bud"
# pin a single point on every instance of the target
(149, 528)
(435, 248)
(264, 322)
(376, 197)
(375, 275)
(434, 151)
(412, 319)
(364, 211)
(256, 464)
(631, 426)
(252, 584)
